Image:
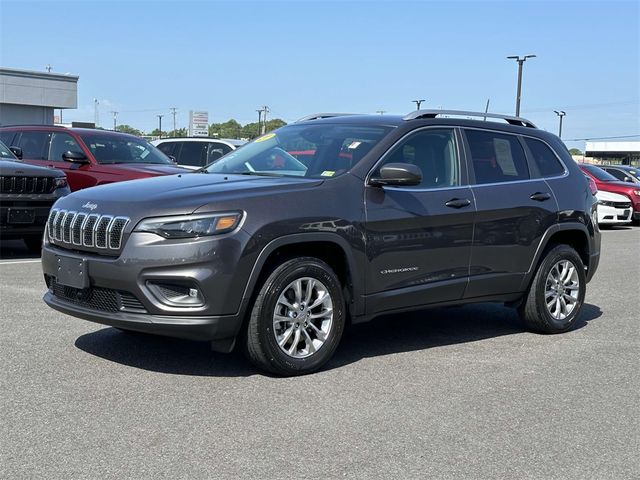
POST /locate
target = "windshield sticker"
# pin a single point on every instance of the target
(328, 173)
(354, 145)
(266, 137)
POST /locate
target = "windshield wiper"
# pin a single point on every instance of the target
(259, 174)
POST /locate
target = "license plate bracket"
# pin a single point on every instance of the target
(22, 216)
(72, 272)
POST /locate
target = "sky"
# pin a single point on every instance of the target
(141, 58)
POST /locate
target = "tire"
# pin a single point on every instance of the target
(549, 279)
(317, 329)
(33, 243)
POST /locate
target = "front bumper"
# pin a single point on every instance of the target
(119, 290)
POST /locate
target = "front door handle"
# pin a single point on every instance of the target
(540, 196)
(458, 203)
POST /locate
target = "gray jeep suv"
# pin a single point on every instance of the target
(329, 220)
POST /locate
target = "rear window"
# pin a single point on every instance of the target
(544, 158)
(496, 157)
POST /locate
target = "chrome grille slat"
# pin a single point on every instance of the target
(83, 229)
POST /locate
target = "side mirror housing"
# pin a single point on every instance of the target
(397, 174)
(17, 151)
(75, 157)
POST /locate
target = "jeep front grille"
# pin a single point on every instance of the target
(16, 184)
(81, 229)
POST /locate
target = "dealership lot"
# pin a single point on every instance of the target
(448, 393)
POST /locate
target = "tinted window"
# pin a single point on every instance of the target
(217, 150)
(167, 147)
(544, 158)
(496, 157)
(62, 143)
(34, 145)
(434, 152)
(7, 138)
(616, 173)
(113, 148)
(193, 154)
(5, 153)
(599, 174)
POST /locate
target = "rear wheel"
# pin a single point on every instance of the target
(297, 318)
(556, 294)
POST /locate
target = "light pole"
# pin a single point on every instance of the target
(96, 115)
(115, 115)
(259, 120)
(520, 61)
(160, 124)
(173, 112)
(418, 103)
(560, 114)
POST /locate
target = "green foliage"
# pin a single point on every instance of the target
(158, 133)
(575, 151)
(128, 129)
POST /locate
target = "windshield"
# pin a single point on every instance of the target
(5, 153)
(123, 149)
(600, 174)
(313, 151)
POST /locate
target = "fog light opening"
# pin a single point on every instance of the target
(177, 294)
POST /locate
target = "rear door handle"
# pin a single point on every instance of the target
(458, 203)
(540, 196)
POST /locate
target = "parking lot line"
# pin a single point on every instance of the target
(12, 262)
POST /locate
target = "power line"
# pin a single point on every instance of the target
(602, 138)
(583, 106)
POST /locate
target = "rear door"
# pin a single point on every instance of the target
(192, 154)
(514, 209)
(419, 237)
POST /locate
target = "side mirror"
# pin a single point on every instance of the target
(75, 157)
(17, 151)
(627, 179)
(172, 158)
(398, 174)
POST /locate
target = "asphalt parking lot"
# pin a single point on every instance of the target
(448, 393)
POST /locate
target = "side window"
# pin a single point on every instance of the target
(193, 154)
(616, 173)
(7, 138)
(62, 143)
(167, 148)
(434, 152)
(496, 157)
(34, 145)
(217, 150)
(544, 158)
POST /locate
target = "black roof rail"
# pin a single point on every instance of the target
(523, 122)
(318, 116)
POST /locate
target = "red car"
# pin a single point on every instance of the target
(608, 183)
(89, 157)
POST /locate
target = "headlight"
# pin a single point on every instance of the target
(191, 226)
(61, 182)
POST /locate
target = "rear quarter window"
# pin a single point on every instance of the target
(545, 160)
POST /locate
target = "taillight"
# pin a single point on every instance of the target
(61, 182)
(592, 185)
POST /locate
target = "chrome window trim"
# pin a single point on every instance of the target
(401, 139)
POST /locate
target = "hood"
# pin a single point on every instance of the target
(177, 194)
(611, 197)
(18, 168)
(150, 168)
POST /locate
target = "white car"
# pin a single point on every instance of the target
(196, 152)
(613, 208)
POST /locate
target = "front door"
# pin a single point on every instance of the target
(419, 237)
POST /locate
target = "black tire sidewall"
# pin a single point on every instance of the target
(554, 256)
(272, 289)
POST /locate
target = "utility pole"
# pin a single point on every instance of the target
(418, 103)
(265, 110)
(160, 124)
(520, 61)
(560, 114)
(173, 112)
(96, 114)
(115, 114)
(259, 121)
(381, 112)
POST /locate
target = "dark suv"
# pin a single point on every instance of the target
(88, 156)
(387, 214)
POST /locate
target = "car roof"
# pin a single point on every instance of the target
(60, 128)
(232, 141)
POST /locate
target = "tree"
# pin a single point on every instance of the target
(128, 129)
(158, 133)
(575, 151)
(178, 132)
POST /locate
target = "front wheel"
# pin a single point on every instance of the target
(557, 292)
(297, 318)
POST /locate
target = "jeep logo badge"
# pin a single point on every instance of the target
(90, 206)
